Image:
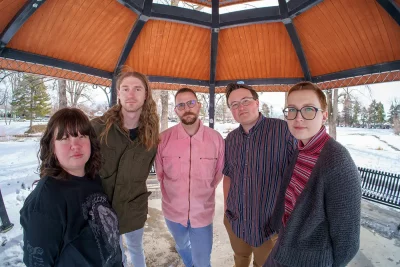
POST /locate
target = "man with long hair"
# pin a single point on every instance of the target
(129, 135)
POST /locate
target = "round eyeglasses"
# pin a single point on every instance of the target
(308, 112)
(190, 104)
(244, 102)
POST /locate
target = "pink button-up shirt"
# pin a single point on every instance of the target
(189, 169)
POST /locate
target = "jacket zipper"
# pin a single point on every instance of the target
(190, 168)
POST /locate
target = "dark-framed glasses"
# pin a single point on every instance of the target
(307, 112)
(190, 104)
(244, 102)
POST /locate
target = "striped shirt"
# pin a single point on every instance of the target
(308, 156)
(255, 163)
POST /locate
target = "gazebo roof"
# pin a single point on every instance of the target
(330, 42)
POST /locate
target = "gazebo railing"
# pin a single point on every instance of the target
(381, 187)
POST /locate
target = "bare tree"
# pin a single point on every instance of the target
(77, 91)
(332, 97)
(220, 107)
(204, 99)
(107, 92)
(164, 109)
(10, 79)
(62, 94)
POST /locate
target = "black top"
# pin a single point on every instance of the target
(133, 133)
(70, 223)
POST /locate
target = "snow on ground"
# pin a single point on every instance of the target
(15, 128)
(370, 148)
(377, 149)
(18, 164)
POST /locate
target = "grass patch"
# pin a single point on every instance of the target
(379, 148)
(36, 129)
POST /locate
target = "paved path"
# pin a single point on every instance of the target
(376, 250)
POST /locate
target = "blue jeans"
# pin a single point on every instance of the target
(194, 245)
(134, 248)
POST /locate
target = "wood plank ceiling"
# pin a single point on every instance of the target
(335, 36)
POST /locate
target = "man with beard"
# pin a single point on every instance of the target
(189, 165)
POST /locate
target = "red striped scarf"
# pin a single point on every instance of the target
(308, 156)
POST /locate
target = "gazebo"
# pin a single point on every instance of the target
(334, 43)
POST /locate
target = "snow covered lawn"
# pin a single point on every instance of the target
(370, 148)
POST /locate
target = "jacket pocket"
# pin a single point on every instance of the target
(207, 168)
(139, 203)
(109, 160)
(108, 184)
(172, 167)
(141, 166)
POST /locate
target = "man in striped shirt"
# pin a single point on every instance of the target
(256, 156)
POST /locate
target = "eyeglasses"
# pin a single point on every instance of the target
(190, 104)
(244, 102)
(308, 112)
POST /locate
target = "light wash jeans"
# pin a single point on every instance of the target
(134, 248)
(194, 245)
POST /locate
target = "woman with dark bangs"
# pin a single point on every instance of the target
(67, 219)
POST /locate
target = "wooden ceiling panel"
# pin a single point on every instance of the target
(90, 33)
(8, 9)
(171, 49)
(256, 51)
(338, 35)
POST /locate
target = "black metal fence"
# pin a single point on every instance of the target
(381, 187)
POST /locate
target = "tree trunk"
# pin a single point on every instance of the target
(332, 97)
(5, 104)
(5, 109)
(286, 95)
(223, 111)
(62, 94)
(164, 110)
(31, 110)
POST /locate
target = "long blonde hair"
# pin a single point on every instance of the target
(149, 123)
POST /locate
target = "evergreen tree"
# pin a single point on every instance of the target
(21, 99)
(356, 112)
(347, 111)
(380, 113)
(372, 112)
(364, 116)
(394, 111)
(31, 98)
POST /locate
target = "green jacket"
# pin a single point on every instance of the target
(126, 166)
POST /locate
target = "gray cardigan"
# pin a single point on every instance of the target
(324, 227)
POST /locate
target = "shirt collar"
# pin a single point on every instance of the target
(314, 142)
(182, 134)
(256, 126)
